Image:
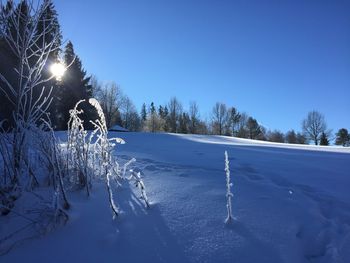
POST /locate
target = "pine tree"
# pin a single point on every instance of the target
(253, 127)
(161, 111)
(235, 117)
(153, 118)
(152, 109)
(51, 15)
(324, 139)
(166, 123)
(301, 139)
(343, 137)
(47, 23)
(74, 87)
(8, 61)
(291, 137)
(143, 112)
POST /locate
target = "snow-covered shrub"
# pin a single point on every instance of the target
(52, 154)
(229, 194)
(17, 152)
(7, 188)
(78, 149)
(90, 154)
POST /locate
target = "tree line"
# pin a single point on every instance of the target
(224, 120)
(119, 109)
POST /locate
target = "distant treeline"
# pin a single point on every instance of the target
(171, 117)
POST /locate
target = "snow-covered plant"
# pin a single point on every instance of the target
(136, 176)
(32, 38)
(28, 109)
(78, 148)
(103, 148)
(229, 194)
(126, 166)
(90, 154)
(53, 154)
(5, 156)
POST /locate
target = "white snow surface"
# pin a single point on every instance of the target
(117, 128)
(291, 204)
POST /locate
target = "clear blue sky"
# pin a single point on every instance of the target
(276, 60)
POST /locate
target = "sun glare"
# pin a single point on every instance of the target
(58, 69)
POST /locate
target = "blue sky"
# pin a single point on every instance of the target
(275, 60)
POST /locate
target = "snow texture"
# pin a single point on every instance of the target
(292, 204)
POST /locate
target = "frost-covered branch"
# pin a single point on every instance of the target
(93, 153)
(229, 194)
(32, 48)
(136, 176)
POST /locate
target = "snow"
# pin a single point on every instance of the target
(118, 128)
(291, 204)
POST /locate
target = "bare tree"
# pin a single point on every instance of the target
(130, 117)
(194, 117)
(276, 136)
(242, 131)
(314, 125)
(219, 117)
(111, 99)
(175, 110)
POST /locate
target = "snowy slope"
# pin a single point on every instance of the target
(291, 203)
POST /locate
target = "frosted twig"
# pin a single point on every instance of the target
(229, 194)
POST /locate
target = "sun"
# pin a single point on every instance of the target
(58, 70)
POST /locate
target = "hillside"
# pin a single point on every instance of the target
(291, 204)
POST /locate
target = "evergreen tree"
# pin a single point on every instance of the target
(343, 137)
(253, 128)
(324, 139)
(153, 118)
(8, 61)
(235, 117)
(276, 136)
(48, 26)
(166, 123)
(301, 139)
(291, 137)
(152, 109)
(161, 111)
(143, 112)
(51, 15)
(74, 87)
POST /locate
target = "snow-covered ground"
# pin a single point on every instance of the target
(291, 204)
